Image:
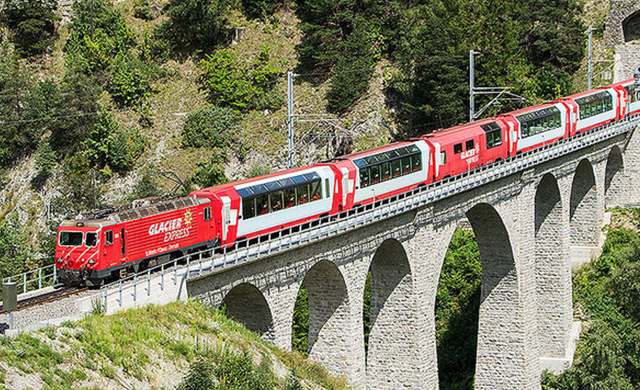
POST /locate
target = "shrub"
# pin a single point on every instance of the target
(194, 25)
(210, 127)
(98, 33)
(14, 247)
(208, 174)
(129, 81)
(111, 146)
(260, 9)
(230, 84)
(32, 24)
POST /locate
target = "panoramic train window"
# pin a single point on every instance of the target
(469, 145)
(262, 199)
(70, 238)
(537, 122)
(632, 93)
(595, 104)
(493, 134)
(457, 148)
(91, 239)
(389, 165)
(108, 237)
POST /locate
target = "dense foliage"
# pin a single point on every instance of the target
(212, 127)
(531, 46)
(300, 323)
(22, 103)
(232, 83)
(32, 24)
(608, 290)
(194, 25)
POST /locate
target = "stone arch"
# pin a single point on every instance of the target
(631, 27)
(584, 217)
(329, 316)
(247, 305)
(500, 318)
(612, 177)
(553, 272)
(392, 357)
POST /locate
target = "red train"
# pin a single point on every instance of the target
(112, 243)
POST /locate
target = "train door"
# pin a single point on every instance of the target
(226, 216)
(123, 247)
(110, 251)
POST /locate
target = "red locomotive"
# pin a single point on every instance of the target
(113, 242)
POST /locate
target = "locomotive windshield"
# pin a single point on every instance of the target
(91, 239)
(70, 238)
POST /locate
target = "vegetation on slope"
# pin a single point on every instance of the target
(154, 347)
(607, 300)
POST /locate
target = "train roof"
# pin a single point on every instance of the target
(587, 93)
(454, 132)
(210, 190)
(530, 109)
(383, 148)
(131, 211)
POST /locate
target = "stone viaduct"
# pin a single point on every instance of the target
(527, 225)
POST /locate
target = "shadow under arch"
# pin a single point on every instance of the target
(553, 271)
(583, 210)
(392, 355)
(612, 177)
(502, 329)
(246, 304)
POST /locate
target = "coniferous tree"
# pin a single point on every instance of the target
(32, 24)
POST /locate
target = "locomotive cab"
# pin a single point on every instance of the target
(78, 251)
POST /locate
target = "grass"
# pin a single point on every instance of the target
(149, 345)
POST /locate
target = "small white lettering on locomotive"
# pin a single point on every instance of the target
(164, 227)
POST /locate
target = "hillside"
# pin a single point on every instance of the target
(128, 100)
(154, 348)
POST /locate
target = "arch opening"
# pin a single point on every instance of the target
(456, 311)
(552, 271)
(631, 27)
(584, 218)
(246, 304)
(391, 356)
(612, 177)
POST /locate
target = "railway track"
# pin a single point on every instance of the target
(59, 292)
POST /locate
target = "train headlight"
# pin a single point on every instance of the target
(92, 261)
(60, 260)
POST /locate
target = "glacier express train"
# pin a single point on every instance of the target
(111, 243)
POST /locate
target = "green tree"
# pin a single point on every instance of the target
(351, 74)
(457, 307)
(32, 24)
(15, 252)
(75, 109)
(342, 36)
(98, 33)
(229, 83)
(212, 127)
(23, 104)
(260, 9)
(209, 173)
(194, 25)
